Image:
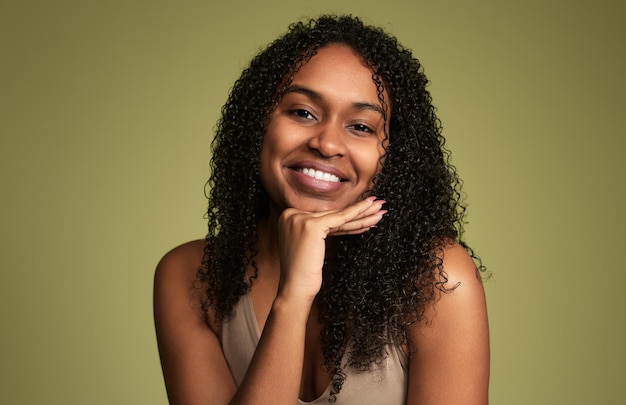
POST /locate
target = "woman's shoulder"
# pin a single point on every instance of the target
(459, 267)
(177, 292)
(459, 295)
(176, 273)
(183, 258)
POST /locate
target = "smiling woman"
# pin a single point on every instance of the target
(323, 143)
(307, 290)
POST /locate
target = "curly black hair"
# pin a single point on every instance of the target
(376, 284)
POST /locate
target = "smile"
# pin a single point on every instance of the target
(319, 175)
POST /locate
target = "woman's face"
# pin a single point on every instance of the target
(323, 143)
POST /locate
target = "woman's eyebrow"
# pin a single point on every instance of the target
(294, 88)
(369, 106)
(314, 95)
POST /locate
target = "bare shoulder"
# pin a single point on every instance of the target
(185, 258)
(461, 296)
(453, 343)
(460, 269)
(174, 281)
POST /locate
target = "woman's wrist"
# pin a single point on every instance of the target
(292, 303)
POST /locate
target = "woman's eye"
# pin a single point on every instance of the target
(361, 128)
(300, 113)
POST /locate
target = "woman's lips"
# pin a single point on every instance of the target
(319, 171)
(319, 174)
(316, 178)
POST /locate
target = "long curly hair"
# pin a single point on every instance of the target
(377, 284)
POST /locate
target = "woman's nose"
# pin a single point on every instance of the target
(328, 141)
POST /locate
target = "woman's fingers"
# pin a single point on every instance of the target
(358, 226)
(354, 219)
(357, 218)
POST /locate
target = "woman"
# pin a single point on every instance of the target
(334, 268)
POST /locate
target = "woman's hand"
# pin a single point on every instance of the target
(302, 237)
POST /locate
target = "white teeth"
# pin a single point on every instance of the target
(319, 175)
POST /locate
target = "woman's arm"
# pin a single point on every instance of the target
(194, 367)
(451, 365)
(274, 374)
(192, 360)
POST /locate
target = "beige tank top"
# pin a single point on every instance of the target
(386, 385)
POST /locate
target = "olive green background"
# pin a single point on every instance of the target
(106, 114)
